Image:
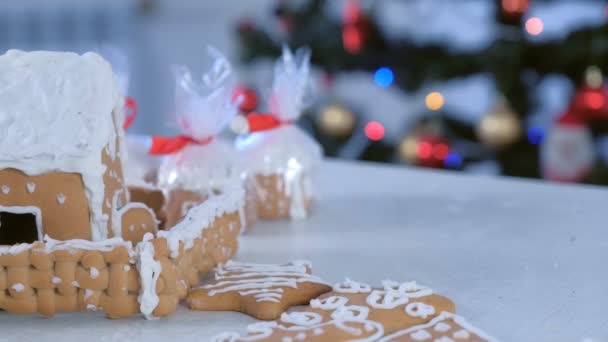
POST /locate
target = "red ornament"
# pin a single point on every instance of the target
(432, 151)
(248, 99)
(356, 27)
(170, 145)
(374, 131)
(514, 8)
(591, 103)
(130, 111)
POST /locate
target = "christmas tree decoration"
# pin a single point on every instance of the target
(591, 100)
(246, 98)
(534, 26)
(336, 121)
(355, 29)
(374, 131)
(514, 9)
(427, 150)
(501, 127)
(567, 153)
(408, 149)
(434, 100)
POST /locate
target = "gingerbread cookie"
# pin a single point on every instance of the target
(259, 290)
(354, 310)
(446, 327)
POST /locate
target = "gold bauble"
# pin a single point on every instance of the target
(408, 149)
(499, 128)
(337, 121)
(593, 77)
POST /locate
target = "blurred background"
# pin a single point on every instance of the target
(498, 87)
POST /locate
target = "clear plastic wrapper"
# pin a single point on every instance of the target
(198, 163)
(280, 158)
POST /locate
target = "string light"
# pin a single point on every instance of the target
(384, 77)
(434, 100)
(374, 131)
(534, 26)
(536, 135)
(453, 161)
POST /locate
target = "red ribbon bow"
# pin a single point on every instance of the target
(170, 145)
(258, 122)
(131, 109)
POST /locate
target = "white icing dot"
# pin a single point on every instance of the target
(421, 335)
(94, 273)
(126, 268)
(131, 228)
(318, 331)
(87, 294)
(75, 283)
(301, 336)
(6, 189)
(18, 287)
(91, 307)
(56, 280)
(461, 334)
(31, 187)
(287, 339)
(418, 309)
(442, 327)
(60, 198)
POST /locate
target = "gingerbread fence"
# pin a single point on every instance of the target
(77, 275)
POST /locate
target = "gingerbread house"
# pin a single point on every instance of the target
(69, 237)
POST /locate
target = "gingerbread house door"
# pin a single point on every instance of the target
(20, 225)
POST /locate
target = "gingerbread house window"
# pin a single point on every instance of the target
(19, 225)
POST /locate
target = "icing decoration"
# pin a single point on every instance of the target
(61, 198)
(264, 330)
(260, 280)
(443, 339)
(149, 271)
(418, 309)
(350, 286)
(421, 335)
(328, 303)
(301, 318)
(355, 312)
(442, 327)
(30, 187)
(19, 287)
(58, 89)
(5, 189)
(75, 283)
(56, 280)
(131, 112)
(464, 332)
(386, 299)
(461, 334)
(94, 272)
(410, 288)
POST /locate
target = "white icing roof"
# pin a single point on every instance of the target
(55, 105)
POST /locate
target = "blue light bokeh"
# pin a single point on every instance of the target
(384, 77)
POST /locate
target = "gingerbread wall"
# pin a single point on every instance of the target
(217, 244)
(47, 279)
(116, 193)
(60, 197)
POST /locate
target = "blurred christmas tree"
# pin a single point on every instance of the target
(515, 60)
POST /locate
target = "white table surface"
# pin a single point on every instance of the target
(523, 260)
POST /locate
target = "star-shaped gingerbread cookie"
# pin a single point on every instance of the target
(263, 291)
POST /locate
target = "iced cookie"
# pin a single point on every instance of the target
(263, 291)
(341, 329)
(353, 311)
(396, 305)
(446, 327)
